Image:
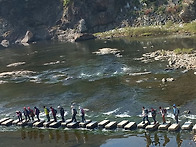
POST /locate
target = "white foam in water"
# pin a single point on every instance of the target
(15, 64)
(125, 114)
(111, 112)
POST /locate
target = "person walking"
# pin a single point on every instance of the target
(37, 112)
(74, 112)
(19, 115)
(26, 114)
(31, 113)
(82, 113)
(154, 113)
(176, 112)
(145, 115)
(54, 112)
(62, 112)
(46, 111)
(163, 112)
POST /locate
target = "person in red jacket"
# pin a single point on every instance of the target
(31, 113)
(54, 112)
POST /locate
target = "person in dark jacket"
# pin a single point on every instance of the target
(19, 115)
(82, 113)
(74, 112)
(54, 112)
(154, 113)
(37, 111)
(26, 114)
(62, 112)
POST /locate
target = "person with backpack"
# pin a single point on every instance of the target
(54, 112)
(176, 112)
(82, 113)
(46, 111)
(145, 115)
(74, 112)
(31, 113)
(37, 113)
(163, 112)
(154, 113)
(26, 114)
(62, 112)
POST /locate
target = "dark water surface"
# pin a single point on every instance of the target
(111, 87)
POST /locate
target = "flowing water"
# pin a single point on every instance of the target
(110, 86)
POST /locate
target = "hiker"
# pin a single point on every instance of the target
(31, 113)
(145, 115)
(163, 112)
(62, 112)
(26, 114)
(74, 112)
(19, 115)
(82, 113)
(154, 113)
(46, 110)
(176, 112)
(54, 112)
(37, 113)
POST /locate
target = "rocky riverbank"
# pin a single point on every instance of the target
(175, 60)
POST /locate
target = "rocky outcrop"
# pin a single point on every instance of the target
(175, 61)
(189, 11)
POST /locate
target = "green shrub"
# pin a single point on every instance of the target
(66, 2)
(183, 50)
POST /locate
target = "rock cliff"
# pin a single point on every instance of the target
(69, 19)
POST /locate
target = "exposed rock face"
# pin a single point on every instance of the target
(189, 11)
(27, 38)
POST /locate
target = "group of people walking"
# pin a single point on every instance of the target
(162, 111)
(29, 113)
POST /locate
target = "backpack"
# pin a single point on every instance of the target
(74, 111)
(55, 111)
(153, 112)
(82, 111)
(164, 111)
(146, 111)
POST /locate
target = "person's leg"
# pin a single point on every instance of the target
(147, 120)
(143, 120)
(163, 117)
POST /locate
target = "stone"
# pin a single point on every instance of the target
(122, 124)
(64, 124)
(83, 124)
(55, 124)
(174, 127)
(7, 122)
(3, 119)
(103, 123)
(22, 123)
(164, 126)
(5, 43)
(92, 125)
(111, 125)
(15, 122)
(83, 36)
(130, 126)
(73, 125)
(152, 127)
(46, 124)
(27, 38)
(30, 123)
(187, 126)
(194, 128)
(142, 125)
(39, 123)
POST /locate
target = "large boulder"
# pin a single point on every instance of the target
(27, 38)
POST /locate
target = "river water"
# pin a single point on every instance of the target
(110, 86)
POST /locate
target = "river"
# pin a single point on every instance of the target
(111, 87)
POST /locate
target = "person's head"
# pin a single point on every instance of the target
(28, 107)
(44, 106)
(143, 107)
(160, 107)
(59, 107)
(174, 105)
(50, 107)
(35, 107)
(24, 108)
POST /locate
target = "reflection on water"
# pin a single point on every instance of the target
(86, 138)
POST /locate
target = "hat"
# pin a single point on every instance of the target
(174, 105)
(59, 107)
(28, 107)
(24, 107)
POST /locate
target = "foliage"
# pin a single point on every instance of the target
(183, 50)
(190, 27)
(65, 2)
